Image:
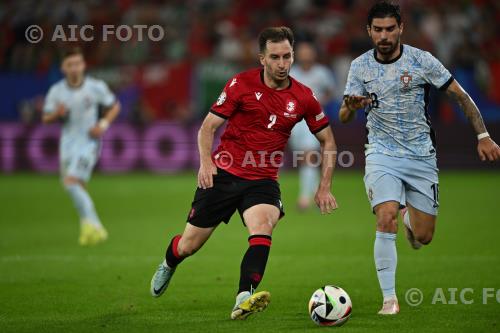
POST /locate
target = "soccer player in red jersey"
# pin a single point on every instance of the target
(261, 106)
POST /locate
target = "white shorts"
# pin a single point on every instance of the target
(79, 165)
(403, 180)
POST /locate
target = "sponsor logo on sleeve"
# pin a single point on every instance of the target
(320, 116)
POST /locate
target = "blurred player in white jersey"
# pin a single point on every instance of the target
(75, 101)
(320, 79)
(392, 83)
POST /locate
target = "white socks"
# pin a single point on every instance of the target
(406, 220)
(309, 180)
(242, 297)
(83, 203)
(386, 260)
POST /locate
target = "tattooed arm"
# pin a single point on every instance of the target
(486, 147)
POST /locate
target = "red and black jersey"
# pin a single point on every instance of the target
(260, 120)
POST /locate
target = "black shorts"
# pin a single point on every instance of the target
(230, 193)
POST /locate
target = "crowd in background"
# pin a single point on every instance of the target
(207, 41)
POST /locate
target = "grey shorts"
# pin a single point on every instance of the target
(403, 180)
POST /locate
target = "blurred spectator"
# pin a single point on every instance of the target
(201, 35)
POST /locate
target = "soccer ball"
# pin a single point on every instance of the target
(330, 306)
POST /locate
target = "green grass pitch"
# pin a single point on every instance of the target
(50, 284)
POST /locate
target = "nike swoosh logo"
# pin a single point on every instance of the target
(378, 270)
(365, 82)
(157, 291)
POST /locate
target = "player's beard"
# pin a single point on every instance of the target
(386, 47)
(75, 79)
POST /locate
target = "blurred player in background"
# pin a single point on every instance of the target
(75, 101)
(261, 107)
(320, 79)
(392, 82)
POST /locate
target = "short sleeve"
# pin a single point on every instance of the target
(314, 116)
(354, 85)
(434, 72)
(106, 97)
(50, 102)
(227, 102)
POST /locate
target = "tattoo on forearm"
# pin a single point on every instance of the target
(470, 110)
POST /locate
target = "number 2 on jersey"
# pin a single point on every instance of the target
(272, 121)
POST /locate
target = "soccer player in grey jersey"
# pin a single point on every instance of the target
(75, 101)
(392, 83)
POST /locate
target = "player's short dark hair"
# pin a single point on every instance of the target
(383, 9)
(275, 35)
(71, 52)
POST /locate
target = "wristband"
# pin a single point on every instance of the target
(103, 124)
(483, 135)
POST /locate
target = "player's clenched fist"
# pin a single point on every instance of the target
(96, 132)
(61, 111)
(205, 174)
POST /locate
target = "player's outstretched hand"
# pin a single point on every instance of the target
(488, 150)
(357, 102)
(206, 175)
(325, 201)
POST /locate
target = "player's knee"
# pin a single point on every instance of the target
(71, 181)
(387, 221)
(423, 232)
(263, 224)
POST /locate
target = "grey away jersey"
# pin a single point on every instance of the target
(82, 104)
(397, 120)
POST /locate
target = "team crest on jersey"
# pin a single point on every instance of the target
(290, 108)
(405, 81)
(222, 98)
